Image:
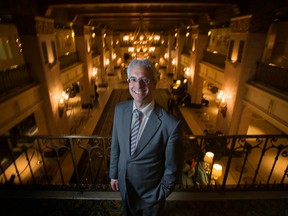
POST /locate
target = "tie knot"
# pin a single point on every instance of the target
(138, 113)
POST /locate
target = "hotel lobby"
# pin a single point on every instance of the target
(63, 70)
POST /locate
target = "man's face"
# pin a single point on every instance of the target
(141, 85)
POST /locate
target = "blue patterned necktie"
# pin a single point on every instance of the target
(135, 130)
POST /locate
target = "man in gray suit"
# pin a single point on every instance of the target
(146, 173)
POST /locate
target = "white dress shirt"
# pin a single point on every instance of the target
(146, 111)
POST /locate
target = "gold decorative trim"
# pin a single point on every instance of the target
(44, 25)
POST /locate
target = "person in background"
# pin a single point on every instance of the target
(145, 174)
(171, 103)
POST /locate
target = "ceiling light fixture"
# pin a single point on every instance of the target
(141, 40)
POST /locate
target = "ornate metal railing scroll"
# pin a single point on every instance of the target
(249, 162)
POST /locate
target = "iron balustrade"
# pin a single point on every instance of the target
(249, 162)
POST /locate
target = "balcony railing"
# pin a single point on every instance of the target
(14, 78)
(216, 59)
(69, 59)
(82, 162)
(272, 75)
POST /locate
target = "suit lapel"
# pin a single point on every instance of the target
(150, 129)
(126, 124)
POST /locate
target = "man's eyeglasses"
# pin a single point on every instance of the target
(143, 80)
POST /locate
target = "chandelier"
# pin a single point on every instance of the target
(141, 41)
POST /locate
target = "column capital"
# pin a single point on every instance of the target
(251, 24)
(200, 29)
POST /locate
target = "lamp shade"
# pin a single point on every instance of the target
(208, 158)
(217, 171)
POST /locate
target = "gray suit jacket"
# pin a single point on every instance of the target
(150, 174)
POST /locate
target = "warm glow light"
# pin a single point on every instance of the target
(157, 37)
(174, 61)
(208, 158)
(187, 71)
(151, 49)
(119, 61)
(126, 38)
(94, 71)
(216, 171)
(162, 61)
(61, 102)
(93, 35)
(130, 49)
(141, 40)
(66, 97)
(220, 94)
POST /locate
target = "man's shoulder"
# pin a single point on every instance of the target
(124, 104)
(166, 115)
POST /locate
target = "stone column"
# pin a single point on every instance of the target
(83, 46)
(39, 48)
(199, 44)
(101, 40)
(109, 45)
(247, 42)
(170, 47)
(179, 48)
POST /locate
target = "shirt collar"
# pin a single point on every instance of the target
(147, 109)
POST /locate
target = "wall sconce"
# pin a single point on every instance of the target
(94, 74)
(61, 107)
(174, 61)
(216, 171)
(187, 72)
(63, 104)
(223, 107)
(221, 103)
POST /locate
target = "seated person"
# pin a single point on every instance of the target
(189, 175)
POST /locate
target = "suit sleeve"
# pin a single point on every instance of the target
(115, 150)
(172, 164)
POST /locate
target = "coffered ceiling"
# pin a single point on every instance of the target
(157, 16)
(124, 16)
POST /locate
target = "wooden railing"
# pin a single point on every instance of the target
(81, 163)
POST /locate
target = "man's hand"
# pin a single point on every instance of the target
(114, 185)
